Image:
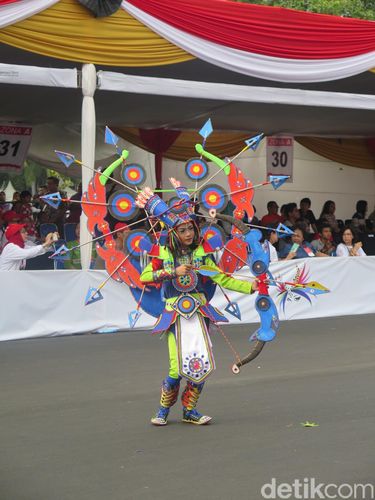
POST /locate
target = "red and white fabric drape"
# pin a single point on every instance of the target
(14, 11)
(265, 42)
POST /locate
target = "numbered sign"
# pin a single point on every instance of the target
(280, 156)
(14, 145)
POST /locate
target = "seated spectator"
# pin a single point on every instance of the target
(16, 197)
(328, 215)
(291, 214)
(120, 235)
(15, 251)
(372, 215)
(299, 248)
(272, 215)
(74, 256)
(4, 206)
(50, 215)
(307, 215)
(271, 238)
(350, 246)
(24, 208)
(75, 209)
(324, 244)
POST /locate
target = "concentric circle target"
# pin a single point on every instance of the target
(258, 267)
(186, 304)
(196, 169)
(177, 205)
(213, 196)
(131, 242)
(209, 230)
(133, 174)
(122, 206)
(263, 304)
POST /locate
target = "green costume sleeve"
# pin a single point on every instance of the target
(227, 281)
(152, 274)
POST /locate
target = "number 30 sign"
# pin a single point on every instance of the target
(14, 145)
(280, 156)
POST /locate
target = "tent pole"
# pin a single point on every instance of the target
(88, 136)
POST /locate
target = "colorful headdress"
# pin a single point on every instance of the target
(181, 212)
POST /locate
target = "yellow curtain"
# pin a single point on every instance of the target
(220, 143)
(352, 152)
(69, 31)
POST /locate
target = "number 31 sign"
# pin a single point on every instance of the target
(280, 156)
(14, 145)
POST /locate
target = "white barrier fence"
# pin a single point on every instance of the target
(51, 303)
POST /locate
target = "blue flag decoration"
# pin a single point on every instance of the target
(110, 137)
(277, 180)
(233, 309)
(93, 295)
(66, 158)
(253, 142)
(133, 317)
(52, 199)
(286, 231)
(62, 253)
(206, 130)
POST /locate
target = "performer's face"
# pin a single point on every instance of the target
(185, 233)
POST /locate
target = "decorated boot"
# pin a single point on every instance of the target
(189, 399)
(169, 395)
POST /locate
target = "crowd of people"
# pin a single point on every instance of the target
(22, 219)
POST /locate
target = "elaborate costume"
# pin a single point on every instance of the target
(187, 312)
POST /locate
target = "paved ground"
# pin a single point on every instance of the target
(74, 416)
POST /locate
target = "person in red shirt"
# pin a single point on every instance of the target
(272, 215)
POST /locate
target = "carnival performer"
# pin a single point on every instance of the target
(16, 252)
(187, 314)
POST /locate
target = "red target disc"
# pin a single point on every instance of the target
(196, 169)
(131, 242)
(213, 196)
(133, 174)
(210, 230)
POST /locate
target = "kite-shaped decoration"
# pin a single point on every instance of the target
(196, 169)
(122, 205)
(110, 137)
(52, 199)
(233, 309)
(66, 158)
(62, 253)
(277, 180)
(283, 231)
(213, 196)
(133, 317)
(133, 174)
(207, 129)
(253, 142)
(93, 295)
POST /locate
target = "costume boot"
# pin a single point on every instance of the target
(169, 395)
(189, 399)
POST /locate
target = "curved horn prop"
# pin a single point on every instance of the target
(256, 350)
(236, 222)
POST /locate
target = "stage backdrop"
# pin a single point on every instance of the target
(51, 303)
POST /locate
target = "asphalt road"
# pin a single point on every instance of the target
(74, 416)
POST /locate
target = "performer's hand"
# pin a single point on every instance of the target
(49, 240)
(255, 286)
(184, 269)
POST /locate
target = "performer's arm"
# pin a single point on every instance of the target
(230, 283)
(155, 272)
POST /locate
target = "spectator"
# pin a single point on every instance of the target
(16, 196)
(361, 210)
(271, 238)
(74, 256)
(120, 235)
(307, 215)
(75, 209)
(324, 244)
(52, 215)
(4, 206)
(15, 253)
(272, 216)
(291, 214)
(372, 215)
(350, 246)
(328, 215)
(24, 208)
(299, 248)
